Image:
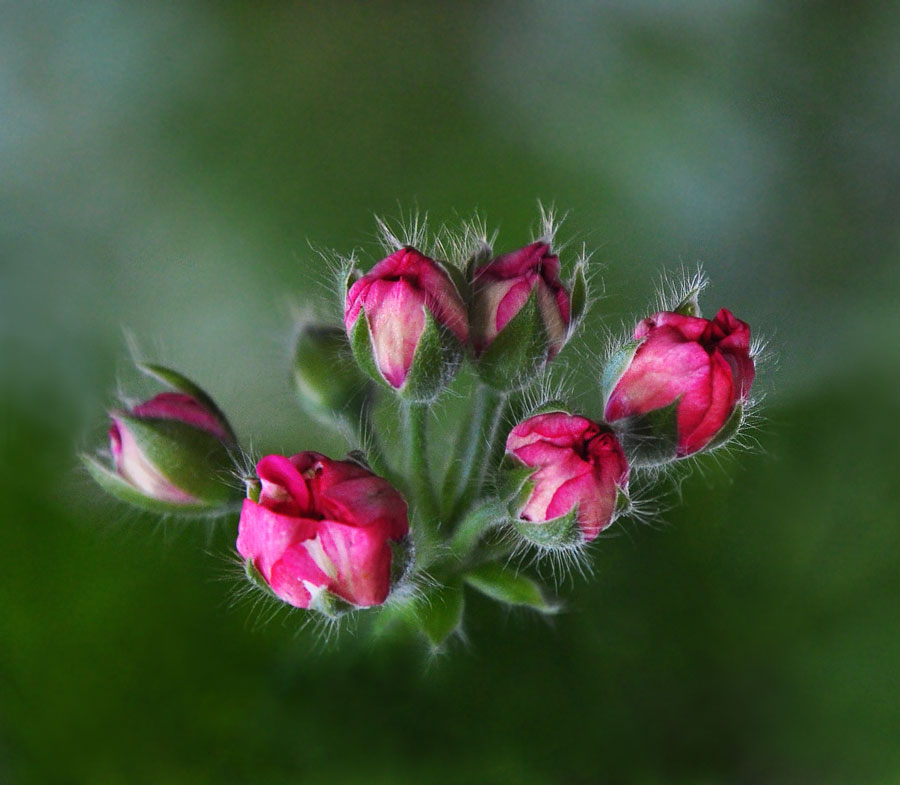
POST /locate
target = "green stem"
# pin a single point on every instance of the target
(370, 444)
(464, 455)
(476, 469)
(417, 417)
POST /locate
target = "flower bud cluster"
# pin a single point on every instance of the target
(333, 536)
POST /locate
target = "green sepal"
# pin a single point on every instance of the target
(513, 486)
(403, 556)
(329, 604)
(616, 366)
(518, 351)
(623, 503)
(181, 383)
(361, 346)
(258, 580)
(460, 281)
(118, 487)
(690, 306)
(729, 429)
(439, 614)
(359, 458)
(650, 439)
(552, 406)
(560, 533)
(437, 358)
(190, 458)
(578, 298)
(329, 384)
(508, 586)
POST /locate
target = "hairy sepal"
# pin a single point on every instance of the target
(650, 439)
(729, 430)
(435, 362)
(562, 533)
(518, 351)
(578, 298)
(190, 458)
(119, 488)
(615, 367)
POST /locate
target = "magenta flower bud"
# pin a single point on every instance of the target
(414, 324)
(683, 382)
(521, 314)
(569, 478)
(320, 534)
(172, 453)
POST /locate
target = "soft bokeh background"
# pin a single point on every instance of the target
(163, 170)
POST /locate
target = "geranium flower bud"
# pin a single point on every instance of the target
(565, 476)
(320, 534)
(521, 314)
(172, 453)
(329, 384)
(414, 324)
(681, 385)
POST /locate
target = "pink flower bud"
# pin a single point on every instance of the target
(394, 296)
(702, 367)
(502, 288)
(578, 466)
(170, 448)
(322, 526)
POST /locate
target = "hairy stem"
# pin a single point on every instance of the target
(464, 456)
(475, 470)
(417, 419)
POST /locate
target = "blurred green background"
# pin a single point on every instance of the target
(163, 171)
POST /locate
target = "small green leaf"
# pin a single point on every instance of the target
(507, 586)
(440, 613)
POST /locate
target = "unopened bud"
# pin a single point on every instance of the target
(172, 453)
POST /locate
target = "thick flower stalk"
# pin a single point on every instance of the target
(320, 533)
(407, 324)
(683, 382)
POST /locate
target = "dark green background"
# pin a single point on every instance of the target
(163, 169)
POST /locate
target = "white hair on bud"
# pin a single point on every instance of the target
(549, 225)
(674, 288)
(410, 229)
(457, 245)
